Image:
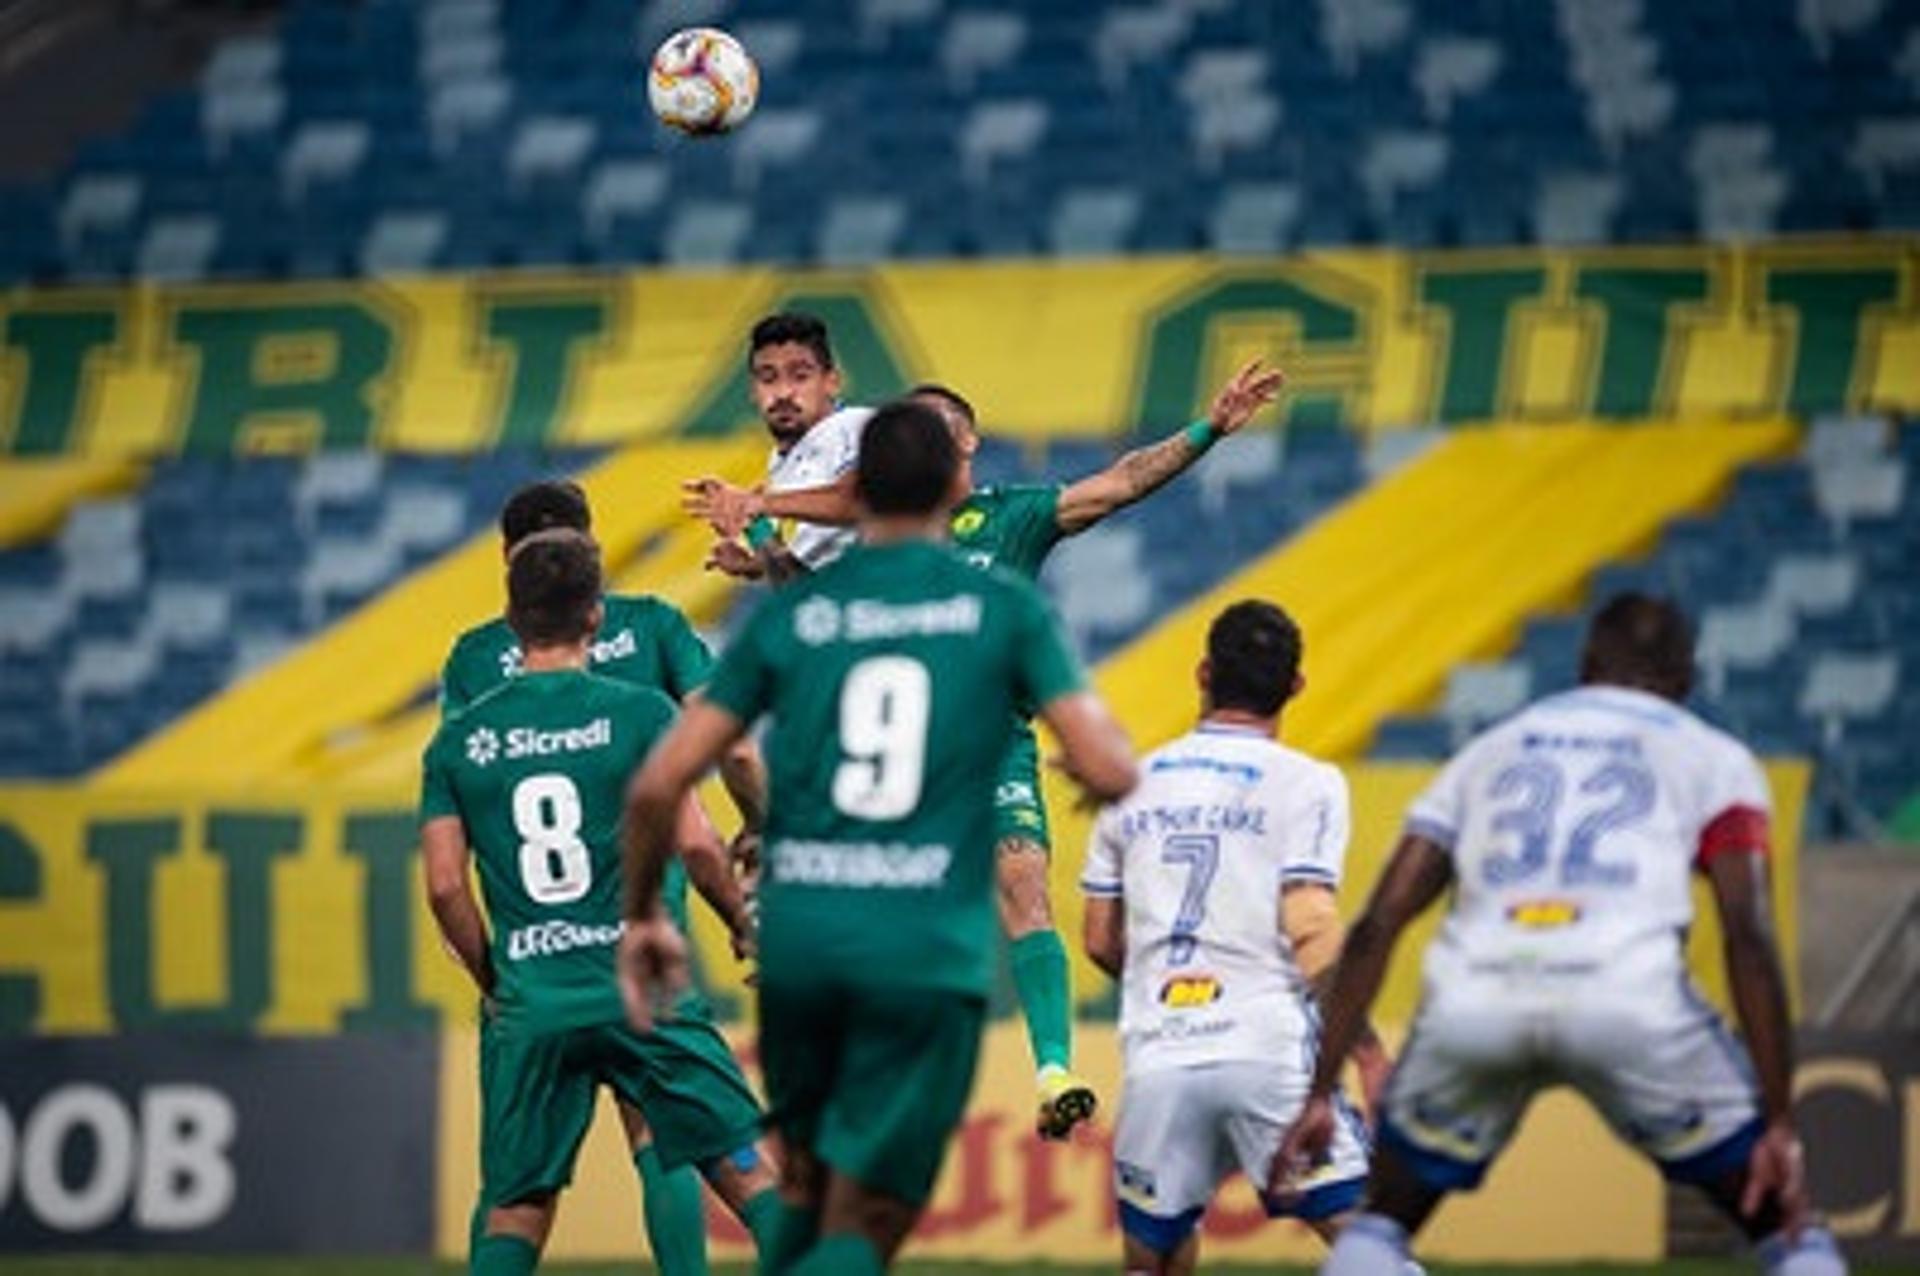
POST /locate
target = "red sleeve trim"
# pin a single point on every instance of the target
(1737, 829)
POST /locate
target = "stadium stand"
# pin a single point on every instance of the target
(215, 568)
(141, 605)
(395, 136)
(1809, 608)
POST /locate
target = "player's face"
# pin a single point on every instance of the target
(791, 390)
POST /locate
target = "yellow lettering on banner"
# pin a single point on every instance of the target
(1550, 347)
(1861, 1076)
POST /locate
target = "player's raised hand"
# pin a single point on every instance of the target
(736, 560)
(1252, 388)
(726, 508)
(653, 968)
(1302, 1149)
(1777, 1171)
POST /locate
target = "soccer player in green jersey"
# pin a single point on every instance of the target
(890, 676)
(527, 786)
(1016, 527)
(646, 642)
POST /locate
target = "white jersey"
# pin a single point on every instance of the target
(818, 459)
(1222, 819)
(1574, 828)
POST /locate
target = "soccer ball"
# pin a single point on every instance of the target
(702, 82)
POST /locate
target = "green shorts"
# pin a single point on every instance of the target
(1018, 812)
(537, 1093)
(872, 1081)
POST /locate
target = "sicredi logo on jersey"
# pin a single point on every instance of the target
(819, 621)
(483, 743)
(601, 651)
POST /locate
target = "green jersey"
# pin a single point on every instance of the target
(537, 773)
(1012, 527)
(644, 641)
(890, 676)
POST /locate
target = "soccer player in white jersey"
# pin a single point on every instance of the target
(1210, 896)
(1567, 836)
(795, 387)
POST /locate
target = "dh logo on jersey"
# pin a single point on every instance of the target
(816, 621)
(1190, 992)
(483, 746)
(967, 522)
(1544, 914)
(1136, 1183)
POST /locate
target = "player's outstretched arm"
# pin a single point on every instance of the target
(444, 851)
(1144, 470)
(1310, 919)
(710, 869)
(653, 954)
(1776, 1171)
(1094, 748)
(730, 509)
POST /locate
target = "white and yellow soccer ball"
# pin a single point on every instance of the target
(702, 82)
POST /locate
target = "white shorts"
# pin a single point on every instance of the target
(1662, 1069)
(1182, 1130)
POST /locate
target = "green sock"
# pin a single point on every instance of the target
(1040, 977)
(761, 1212)
(675, 1217)
(503, 1256)
(841, 1254)
(793, 1233)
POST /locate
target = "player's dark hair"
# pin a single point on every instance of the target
(907, 459)
(1640, 640)
(791, 327)
(539, 506)
(553, 583)
(1253, 658)
(949, 396)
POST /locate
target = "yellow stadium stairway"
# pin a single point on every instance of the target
(342, 705)
(35, 495)
(1442, 562)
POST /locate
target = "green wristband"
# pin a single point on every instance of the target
(1201, 435)
(760, 531)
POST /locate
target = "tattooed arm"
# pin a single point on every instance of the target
(1147, 469)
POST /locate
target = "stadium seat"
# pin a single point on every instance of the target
(1094, 222)
(1450, 68)
(861, 230)
(1484, 693)
(548, 148)
(997, 131)
(976, 42)
(178, 248)
(1254, 218)
(708, 233)
(402, 242)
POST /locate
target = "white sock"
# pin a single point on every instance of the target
(1371, 1245)
(1813, 1254)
